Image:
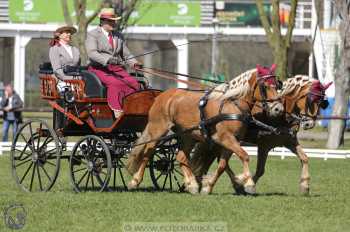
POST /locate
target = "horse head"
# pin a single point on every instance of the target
(264, 95)
(303, 99)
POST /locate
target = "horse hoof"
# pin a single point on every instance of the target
(239, 189)
(132, 185)
(250, 189)
(193, 189)
(206, 190)
(304, 190)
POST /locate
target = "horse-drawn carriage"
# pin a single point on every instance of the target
(97, 160)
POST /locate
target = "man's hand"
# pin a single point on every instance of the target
(7, 109)
(138, 66)
(113, 60)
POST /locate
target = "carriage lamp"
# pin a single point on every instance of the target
(68, 95)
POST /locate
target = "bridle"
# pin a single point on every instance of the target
(311, 98)
(270, 80)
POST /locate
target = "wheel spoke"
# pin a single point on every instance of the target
(166, 178)
(28, 156)
(26, 141)
(114, 177)
(81, 179)
(46, 141)
(178, 172)
(51, 163)
(159, 176)
(49, 151)
(26, 161)
(32, 180)
(79, 160)
(177, 181)
(87, 181)
(92, 181)
(26, 172)
(23, 151)
(39, 177)
(81, 169)
(122, 177)
(40, 128)
(31, 131)
(170, 182)
(47, 175)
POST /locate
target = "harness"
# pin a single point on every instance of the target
(203, 127)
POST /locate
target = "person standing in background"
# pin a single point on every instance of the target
(12, 106)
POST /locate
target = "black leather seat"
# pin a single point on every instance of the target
(45, 68)
(93, 86)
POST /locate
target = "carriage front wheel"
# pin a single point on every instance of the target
(90, 164)
(35, 156)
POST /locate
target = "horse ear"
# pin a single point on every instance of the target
(273, 68)
(326, 86)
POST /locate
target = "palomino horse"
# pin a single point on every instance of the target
(178, 110)
(302, 98)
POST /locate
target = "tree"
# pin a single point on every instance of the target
(342, 77)
(82, 21)
(279, 43)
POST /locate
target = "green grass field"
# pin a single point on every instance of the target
(277, 207)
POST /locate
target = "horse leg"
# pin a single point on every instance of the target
(228, 141)
(261, 162)
(304, 160)
(209, 181)
(236, 183)
(141, 154)
(182, 157)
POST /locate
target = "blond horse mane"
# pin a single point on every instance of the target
(238, 87)
(291, 84)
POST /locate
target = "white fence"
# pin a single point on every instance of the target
(278, 151)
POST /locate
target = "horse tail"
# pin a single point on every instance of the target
(138, 152)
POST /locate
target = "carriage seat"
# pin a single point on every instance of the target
(93, 85)
(45, 68)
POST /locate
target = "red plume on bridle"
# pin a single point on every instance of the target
(267, 73)
(318, 91)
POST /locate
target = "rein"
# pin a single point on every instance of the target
(185, 75)
(190, 83)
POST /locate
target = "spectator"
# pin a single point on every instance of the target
(12, 105)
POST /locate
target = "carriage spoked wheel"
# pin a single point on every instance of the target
(90, 164)
(121, 146)
(164, 169)
(35, 156)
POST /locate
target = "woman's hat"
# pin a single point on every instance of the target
(70, 29)
(108, 13)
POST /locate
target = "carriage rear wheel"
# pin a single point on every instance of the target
(90, 164)
(35, 156)
(164, 169)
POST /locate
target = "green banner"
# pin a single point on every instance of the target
(43, 11)
(241, 14)
(171, 13)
